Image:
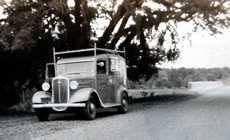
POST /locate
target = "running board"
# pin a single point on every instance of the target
(108, 105)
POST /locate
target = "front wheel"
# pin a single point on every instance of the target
(42, 114)
(123, 108)
(90, 110)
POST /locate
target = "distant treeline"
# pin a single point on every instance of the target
(177, 78)
(17, 89)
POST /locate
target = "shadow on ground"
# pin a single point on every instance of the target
(145, 102)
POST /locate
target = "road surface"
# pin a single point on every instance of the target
(170, 117)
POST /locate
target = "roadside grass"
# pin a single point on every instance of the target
(19, 109)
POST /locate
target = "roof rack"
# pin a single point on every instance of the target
(95, 51)
(88, 50)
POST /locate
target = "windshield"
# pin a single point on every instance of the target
(78, 68)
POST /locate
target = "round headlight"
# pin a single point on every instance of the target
(45, 86)
(73, 85)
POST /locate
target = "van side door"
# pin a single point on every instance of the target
(118, 75)
(104, 86)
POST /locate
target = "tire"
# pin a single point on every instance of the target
(42, 114)
(90, 110)
(124, 107)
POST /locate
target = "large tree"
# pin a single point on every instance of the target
(132, 25)
(140, 27)
(147, 17)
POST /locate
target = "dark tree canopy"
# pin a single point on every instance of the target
(133, 25)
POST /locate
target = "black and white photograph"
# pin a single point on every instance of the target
(114, 69)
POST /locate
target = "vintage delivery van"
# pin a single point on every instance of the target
(83, 81)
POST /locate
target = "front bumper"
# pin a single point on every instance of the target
(58, 105)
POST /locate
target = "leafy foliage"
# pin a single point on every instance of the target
(146, 29)
(180, 77)
(155, 21)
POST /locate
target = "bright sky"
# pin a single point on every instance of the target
(204, 50)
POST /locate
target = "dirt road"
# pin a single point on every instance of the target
(168, 117)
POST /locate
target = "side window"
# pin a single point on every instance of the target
(101, 67)
(112, 65)
(115, 65)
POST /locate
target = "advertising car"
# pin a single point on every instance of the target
(83, 81)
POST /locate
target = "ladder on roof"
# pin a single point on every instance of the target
(87, 50)
(94, 50)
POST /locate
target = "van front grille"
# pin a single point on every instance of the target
(60, 90)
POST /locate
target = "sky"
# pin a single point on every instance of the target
(203, 51)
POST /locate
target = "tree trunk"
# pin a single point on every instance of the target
(124, 10)
(107, 33)
(120, 30)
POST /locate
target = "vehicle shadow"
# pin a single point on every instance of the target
(80, 117)
(135, 105)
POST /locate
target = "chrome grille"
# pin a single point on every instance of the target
(60, 90)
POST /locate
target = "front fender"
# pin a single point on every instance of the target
(82, 95)
(37, 97)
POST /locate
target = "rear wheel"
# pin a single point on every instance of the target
(42, 114)
(123, 108)
(90, 109)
